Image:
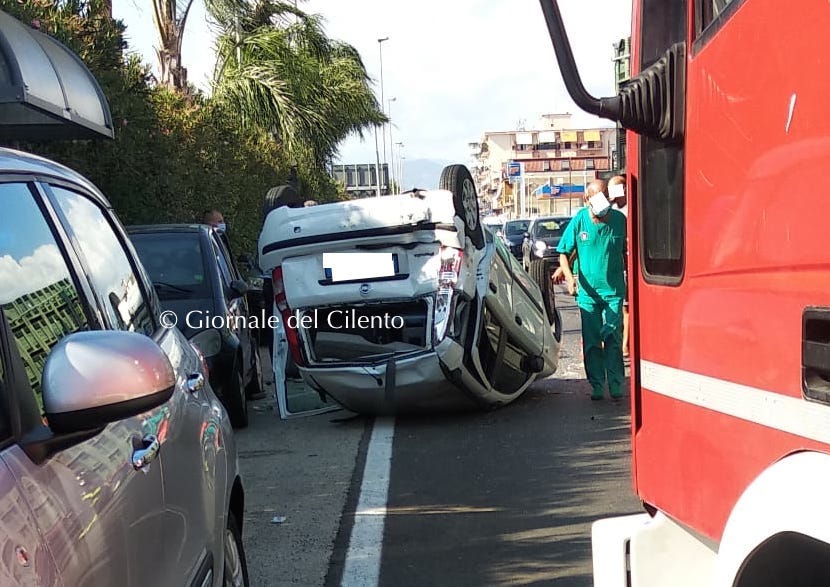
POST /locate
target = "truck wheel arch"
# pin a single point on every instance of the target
(775, 517)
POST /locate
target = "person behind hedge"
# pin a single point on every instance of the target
(214, 218)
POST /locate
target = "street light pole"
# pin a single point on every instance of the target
(382, 103)
(399, 172)
(391, 144)
(377, 164)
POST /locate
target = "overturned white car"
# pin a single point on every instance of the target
(404, 303)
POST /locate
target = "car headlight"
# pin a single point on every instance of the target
(208, 341)
(539, 247)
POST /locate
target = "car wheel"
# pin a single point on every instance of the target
(282, 195)
(255, 386)
(235, 567)
(236, 402)
(457, 179)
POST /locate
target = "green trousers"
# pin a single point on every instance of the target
(602, 343)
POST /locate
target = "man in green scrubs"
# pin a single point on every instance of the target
(597, 234)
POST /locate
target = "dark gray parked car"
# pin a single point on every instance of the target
(545, 233)
(197, 279)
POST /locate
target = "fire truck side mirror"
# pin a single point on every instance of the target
(652, 103)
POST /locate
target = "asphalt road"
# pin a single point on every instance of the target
(498, 498)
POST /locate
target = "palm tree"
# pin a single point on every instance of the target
(279, 72)
(170, 18)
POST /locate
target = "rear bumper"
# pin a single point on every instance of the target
(408, 383)
(641, 551)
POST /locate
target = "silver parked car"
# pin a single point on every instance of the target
(118, 464)
(405, 303)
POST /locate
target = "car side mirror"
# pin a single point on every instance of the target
(93, 378)
(238, 288)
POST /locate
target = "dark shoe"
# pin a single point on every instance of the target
(596, 398)
(617, 397)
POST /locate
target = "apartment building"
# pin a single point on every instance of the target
(543, 170)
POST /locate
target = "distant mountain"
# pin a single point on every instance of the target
(422, 173)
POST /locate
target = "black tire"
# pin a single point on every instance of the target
(458, 180)
(234, 564)
(236, 402)
(255, 386)
(282, 195)
(540, 272)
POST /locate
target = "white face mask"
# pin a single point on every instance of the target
(222, 227)
(599, 204)
(616, 191)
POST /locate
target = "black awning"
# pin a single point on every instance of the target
(46, 91)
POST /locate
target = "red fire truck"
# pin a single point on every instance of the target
(729, 169)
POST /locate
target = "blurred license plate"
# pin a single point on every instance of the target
(357, 266)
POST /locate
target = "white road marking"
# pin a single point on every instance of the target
(362, 566)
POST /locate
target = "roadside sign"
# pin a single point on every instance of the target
(514, 169)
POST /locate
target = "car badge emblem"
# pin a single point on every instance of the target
(365, 288)
(297, 229)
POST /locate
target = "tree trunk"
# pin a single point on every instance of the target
(170, 18)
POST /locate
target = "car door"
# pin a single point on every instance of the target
(188, 524)
(25, 559)
(98, 516)
(237, 305)
(518, 321)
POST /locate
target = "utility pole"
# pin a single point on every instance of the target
(392, 146)
(377, 164)
(382, 102)
(399, 172)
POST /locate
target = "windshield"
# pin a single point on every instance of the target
(174, 262)
(550, 227)
(516, 227)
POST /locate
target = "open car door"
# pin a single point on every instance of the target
(294, 398)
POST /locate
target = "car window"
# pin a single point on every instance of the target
(549, 228)
(488, 343)
(174, 262)
(225, 249)
(516, 227)
(116, 284)
(37, 294)
(224, 269)
(5, 427)
(510, 375)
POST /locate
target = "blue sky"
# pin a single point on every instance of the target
(456, 68)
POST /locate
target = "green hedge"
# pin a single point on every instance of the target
(172, 156)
